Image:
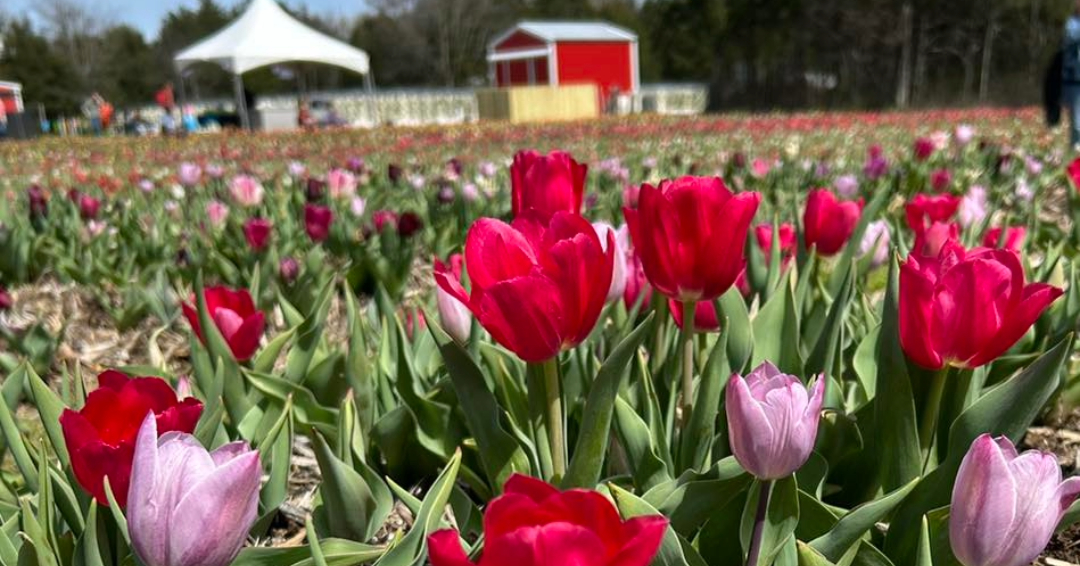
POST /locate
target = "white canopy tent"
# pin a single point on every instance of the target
(266, 35)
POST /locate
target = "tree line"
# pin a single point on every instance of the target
(753, 54)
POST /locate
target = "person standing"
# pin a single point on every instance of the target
(1070, 73)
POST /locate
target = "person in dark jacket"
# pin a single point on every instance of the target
(1070, 74)
(1052, 91)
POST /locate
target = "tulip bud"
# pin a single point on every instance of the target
(314, 189)
(408, 224)
(828, 223)
(188, 506)
(394, 173)
(454, 314)
(257, 233)
(773, 421)
(288, 270)
(1005, 506)
(88, 207)
(317, 220)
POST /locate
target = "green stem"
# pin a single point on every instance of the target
(754, 554)
(555, 419)
(689, 309)
(931, 412)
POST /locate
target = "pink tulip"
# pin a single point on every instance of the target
(187, 506)
(189, 174)
(217, 212)
(454, 314)
(773, 421)
(246, 190)
(1005, 505)
(618, 270)
(341, 184)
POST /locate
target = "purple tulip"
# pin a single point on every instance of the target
(773, 421)
(187, 506)
(1006, 506)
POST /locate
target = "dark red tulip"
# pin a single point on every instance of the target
(829, 223)
(39, 201)
(100, 437)
(317, 221)
(924, 148)
(691, 235)
(547, 184)
(966, 308)
(535, 524)
(235, 315)
(538, 289)
(940, 180)
(6, 302)
(1013, 241)
(315, 189)
(923, 210)
(394, 173)
(257, 232)
(408, 224)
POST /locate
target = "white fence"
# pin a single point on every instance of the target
(433, 106)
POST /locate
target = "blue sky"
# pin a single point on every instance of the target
(146, 15)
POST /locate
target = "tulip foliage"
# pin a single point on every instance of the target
(599, 365)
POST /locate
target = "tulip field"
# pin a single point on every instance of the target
(832, 339)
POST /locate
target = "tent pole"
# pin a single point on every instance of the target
(183, 90)
(241, 101)
(369, 87)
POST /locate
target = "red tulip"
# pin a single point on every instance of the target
(788, 242)
(6, 302)
(537, 289)
(637, 285)
(547, 184)
(257, 232)
(705, 317)
(235, 316)
(88, 207)
(317, 220)
(384, 219)
(940, 180)
(829, 223)
(923, 210)
(691, 234)
(1014, 238)
(930, 242)
(966, 308)
(924, 148)
(1073, 171)
(100, 437)
(534, 524)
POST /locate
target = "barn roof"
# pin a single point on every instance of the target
(552, 31)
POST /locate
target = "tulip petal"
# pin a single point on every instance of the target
(724, 250)
(1035, 299)
(450, 282)
(211, 522)
(182, 417)
(523, 314)
(112, 379)
(155, 391)
(147, 514)
(495, 251)
(916, 307)
(229, 452)
(569, 545)
(643, 536)
(971, 303)
(533, 488)
(444, 549)
(517, 548)
(592, 511)
(751, 433)
(984, 504)
(245, 341)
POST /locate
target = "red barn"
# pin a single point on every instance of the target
(10, 98)
(554, 53)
